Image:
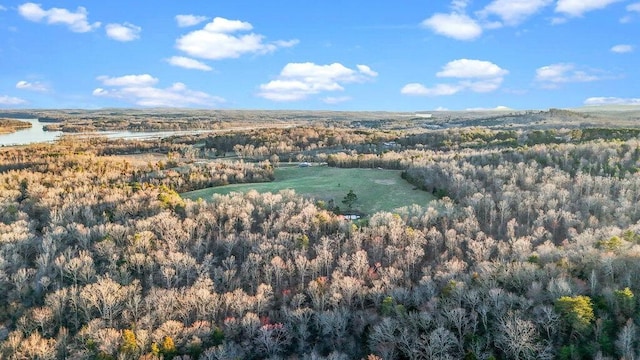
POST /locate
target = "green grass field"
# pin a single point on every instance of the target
(377, 190)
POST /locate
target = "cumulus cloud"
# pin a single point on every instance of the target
(552, 76)
(622, 49)
(612, 101)
(473, 75)
(123, 32)
(298, 81)
(139, 90)
(455, 25)
(635, 7)
(466, 68)
(32, 86)
(513, 12)
(10, 101)
(188, 63)
(190, 20)
(460, 26)
(219, 39)
(75, 21)
(576, 8)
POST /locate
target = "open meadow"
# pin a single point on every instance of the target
(376, 189)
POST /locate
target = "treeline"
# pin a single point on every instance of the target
(9, 125)
(260, 144)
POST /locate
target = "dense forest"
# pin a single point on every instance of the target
(531, 250)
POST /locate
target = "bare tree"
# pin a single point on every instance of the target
(518, 338)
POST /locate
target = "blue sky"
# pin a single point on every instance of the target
(328, 55)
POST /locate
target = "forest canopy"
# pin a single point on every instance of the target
(531, 249)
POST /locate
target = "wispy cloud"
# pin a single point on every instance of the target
(190, 20)
(513, 12)
(32, 86)
(552, 76)
(128, 80)
(612, 101)
(331, 100)
(622, 49)
(497, 108)
(633, 10)
(188, 63)
(576, 8)
(123, 32)
(11, 101)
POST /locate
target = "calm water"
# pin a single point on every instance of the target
(27, 136)
(36, 134)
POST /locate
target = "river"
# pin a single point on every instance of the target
(37, 134)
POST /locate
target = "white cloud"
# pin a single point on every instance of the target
(514, 12)
(551, 76)
(474, 75)
(8, 100)
(76, 21)
(285, 43)
(222, 25)
(626, 19)
(2, 8)
(217, 40)
(467, 68)
(366, 70)
(128, 80)
(417, 89)
(138, 89)
(558, 20)
(459, 5)
(123, 32)
(33, 86)
(298, 81)
(612, 101)
(190, 20)
(497, 108)
(631, 8)
(188, 63)
(622, 48)
(335, 100)
(457, 26)
(577, 8)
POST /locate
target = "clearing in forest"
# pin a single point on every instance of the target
(376, 190)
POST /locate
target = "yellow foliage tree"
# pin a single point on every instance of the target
(168, 348)
(578, 310)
